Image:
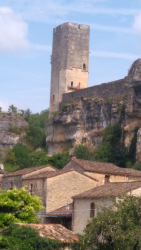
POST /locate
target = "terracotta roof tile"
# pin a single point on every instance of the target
(28, 170)
(99, 167)
(109, 189)
(54, 231)
(65, 211)
(133, 172)
(2, 171)
(53, 174)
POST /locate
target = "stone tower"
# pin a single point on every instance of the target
(70, 61)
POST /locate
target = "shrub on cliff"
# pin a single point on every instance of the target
(111, 148)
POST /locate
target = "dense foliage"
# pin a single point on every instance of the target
(18, 206)
(23, 156)
(17, 237)
(111, 149)
(118, 228)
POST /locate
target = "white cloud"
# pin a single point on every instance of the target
(114, 55)
(13, 31)
(137, 24)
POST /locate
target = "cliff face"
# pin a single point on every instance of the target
(6, 121)
(83, 121)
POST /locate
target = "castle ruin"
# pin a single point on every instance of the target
(69, 60)
(84, 112)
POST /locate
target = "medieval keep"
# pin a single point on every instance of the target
(69, 60)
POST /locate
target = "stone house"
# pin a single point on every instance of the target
(56, 189)
(102, 171)
(14, 179)
(88, 202)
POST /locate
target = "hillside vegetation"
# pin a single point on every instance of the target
(32, 149)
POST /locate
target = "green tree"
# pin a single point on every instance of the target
(18, 206)
(12, 109)
(21, 153)
(17, 237)
(117, 227)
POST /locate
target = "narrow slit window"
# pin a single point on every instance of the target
(53, 98)
(31, 189)
(92, 209)
(11, 185)
(84, 66)
(71, 84)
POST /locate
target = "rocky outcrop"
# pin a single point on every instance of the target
(83, 122)
(6, 121)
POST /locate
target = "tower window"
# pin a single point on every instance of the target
(71, 84)
(84, 66)
(53, 98)
(92, 209)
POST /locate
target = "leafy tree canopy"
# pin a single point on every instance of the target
(18, 206)
(117, 227)
(17, 237)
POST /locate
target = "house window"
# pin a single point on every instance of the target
(71, 84)
(53, 98)
(92, 209)
(84, 66)
(107, 178)
(11, 185)
(31, 189)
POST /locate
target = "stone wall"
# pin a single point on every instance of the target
(110, 90)
(81, 215)
(15, 181)
(61, 188)
(39, 188)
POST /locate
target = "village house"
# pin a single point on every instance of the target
(86, 204)
(56, 189)
(102, 171)
(15, 179)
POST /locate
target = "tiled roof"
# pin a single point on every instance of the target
(2, 171)
(27, 170)
(133, 172)
(65, 211)
(53, 174)
(99, 167)
(109, 189)
(54, 231)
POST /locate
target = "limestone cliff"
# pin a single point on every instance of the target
(6, 121)
(83, 121)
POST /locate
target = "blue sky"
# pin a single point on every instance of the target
(26, 28)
